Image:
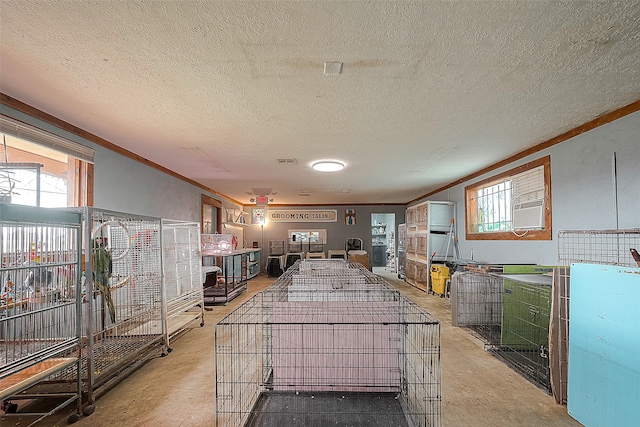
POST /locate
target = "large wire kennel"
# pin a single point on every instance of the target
(182, 277)
(510, 313)
(368, 357)
(40, 312)
(123, 295)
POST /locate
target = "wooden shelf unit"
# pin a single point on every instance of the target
(428, 227)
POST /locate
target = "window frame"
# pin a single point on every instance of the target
(79, 172)
(471, 206)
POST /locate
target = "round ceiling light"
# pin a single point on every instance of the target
(328, 166)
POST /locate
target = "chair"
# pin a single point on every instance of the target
(353, 244)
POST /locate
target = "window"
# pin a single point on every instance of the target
(38, 168)
(307, 240)
(512, 205)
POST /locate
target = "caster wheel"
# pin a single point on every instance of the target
(169, 350)
(400, 276)
(88, 410)
(163, 354)
(201, 324)
(441, 296)
(73, 418)
(10, 408)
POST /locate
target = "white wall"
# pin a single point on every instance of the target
(582, 192)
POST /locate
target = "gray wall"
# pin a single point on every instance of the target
(337, 232)
(582, 192)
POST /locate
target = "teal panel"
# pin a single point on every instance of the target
(604, 345)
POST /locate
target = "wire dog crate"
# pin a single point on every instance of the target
(123, 309)
(368, 357)
(611, 247)
(40, 311)
(510, 313)
(182, 277)
(476, 304)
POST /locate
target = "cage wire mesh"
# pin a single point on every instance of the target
(477, 304)
(524, 336)
(360, 355)
(611, 247)
(40, 303)
(123, 292)
(182, 277)
(598, 246)
(510, 314)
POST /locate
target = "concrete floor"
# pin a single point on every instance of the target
(179, 390)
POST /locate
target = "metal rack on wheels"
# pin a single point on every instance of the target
(123, 302)
(40, 312)
(182, 277)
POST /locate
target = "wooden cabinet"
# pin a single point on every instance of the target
(430, 239)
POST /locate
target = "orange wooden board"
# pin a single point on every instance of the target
(33, 374)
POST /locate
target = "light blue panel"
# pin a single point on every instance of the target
(604, 345)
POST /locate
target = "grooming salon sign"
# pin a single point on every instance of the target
(276, 215)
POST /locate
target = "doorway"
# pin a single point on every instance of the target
(211, 215)
(383, 242)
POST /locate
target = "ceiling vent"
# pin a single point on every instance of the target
(332, 68)
(287, 161)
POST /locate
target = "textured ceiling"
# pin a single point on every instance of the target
(219, 91)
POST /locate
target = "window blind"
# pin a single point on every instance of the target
(47, 139)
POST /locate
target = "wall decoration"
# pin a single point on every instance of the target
(350, 217)
(258, 216)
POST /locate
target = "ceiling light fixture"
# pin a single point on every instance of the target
(328, 166)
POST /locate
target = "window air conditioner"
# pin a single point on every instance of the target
(528, 199)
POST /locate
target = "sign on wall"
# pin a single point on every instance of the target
(350, 217)
(257, 216)
(303, 215)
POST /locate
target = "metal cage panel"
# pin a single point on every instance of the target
(364, 355)
(182, 276)
(598, 246)
(40, 307)
(511, 315)
(124, 292)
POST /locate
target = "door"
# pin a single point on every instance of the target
(383, 240)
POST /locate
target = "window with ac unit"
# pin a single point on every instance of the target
(512, 205)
